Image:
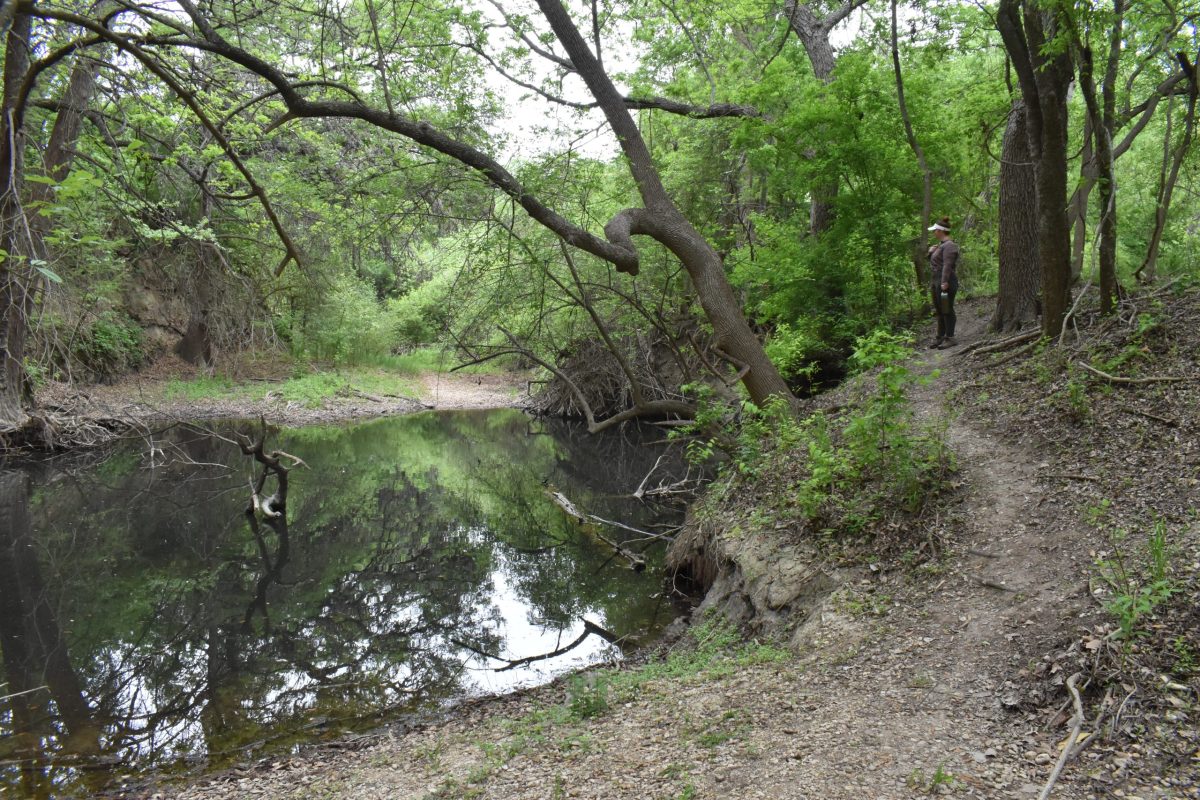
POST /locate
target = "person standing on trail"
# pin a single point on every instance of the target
(943, 265)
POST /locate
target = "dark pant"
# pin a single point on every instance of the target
(946, 317)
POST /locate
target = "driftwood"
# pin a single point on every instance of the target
(636, 562)
(275, 505)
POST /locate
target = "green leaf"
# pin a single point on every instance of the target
(46, 272)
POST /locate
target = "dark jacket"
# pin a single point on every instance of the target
(943, 263)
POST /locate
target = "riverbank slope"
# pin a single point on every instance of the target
(945, 678)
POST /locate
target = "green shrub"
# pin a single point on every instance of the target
(347, 327)
(1137, 589)
(110, 344)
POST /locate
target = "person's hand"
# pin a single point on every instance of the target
(945, 287)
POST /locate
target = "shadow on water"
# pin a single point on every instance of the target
(146, 623)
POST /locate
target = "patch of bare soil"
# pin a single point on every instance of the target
(460, 390)
(947, 679)
(144, 396)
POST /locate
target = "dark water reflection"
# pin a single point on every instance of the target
(143, 623)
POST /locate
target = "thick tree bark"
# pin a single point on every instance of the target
(1020, 273)
(1044, 76)
(16, 396)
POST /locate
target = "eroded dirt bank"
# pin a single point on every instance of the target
(897, 683)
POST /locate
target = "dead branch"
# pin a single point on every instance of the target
(636, 562)
(1015, 354)
(1068, 476)
(589, 629)
(276, 505)
(642, 486)
(1137, 381)
(1076, 725)
(983, 348)
(1168, 421)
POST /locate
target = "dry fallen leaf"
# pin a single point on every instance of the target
(1083, 737)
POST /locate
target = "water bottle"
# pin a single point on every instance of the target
(944, 302)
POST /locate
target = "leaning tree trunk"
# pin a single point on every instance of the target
(662, 220)
(1079, 202)
(1020, 271)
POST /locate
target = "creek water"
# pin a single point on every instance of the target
(146, 624)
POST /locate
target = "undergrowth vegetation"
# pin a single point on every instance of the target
(837, 472)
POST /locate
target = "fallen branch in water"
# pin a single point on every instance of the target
(589, 629)
(636, 562)
(275, 505)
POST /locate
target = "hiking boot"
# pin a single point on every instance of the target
(949, 342)
(936, 344)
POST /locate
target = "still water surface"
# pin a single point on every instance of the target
(147, 626)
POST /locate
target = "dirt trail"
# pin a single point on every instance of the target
(456, 390)
(913, 697)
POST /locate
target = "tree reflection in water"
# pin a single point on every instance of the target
(148, 623)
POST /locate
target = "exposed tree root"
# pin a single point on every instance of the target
(55, 430)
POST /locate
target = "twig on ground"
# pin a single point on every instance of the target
(1169, 421)
(1015, 354)
(983, 348)
(1138, 381)
(1076, 726)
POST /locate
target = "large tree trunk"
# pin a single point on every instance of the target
(16, 396)
(1044, 74)
(1020, 273)
(60, 149)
